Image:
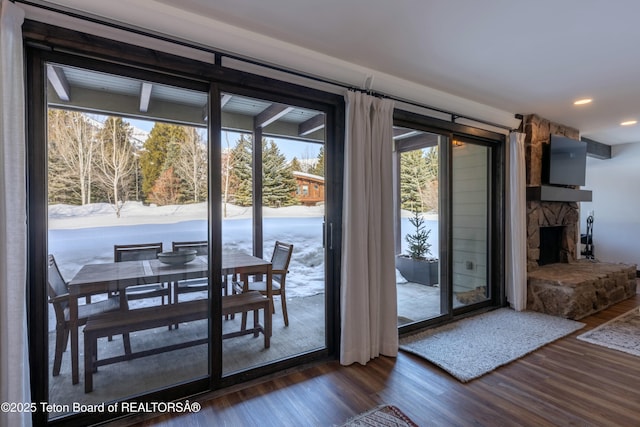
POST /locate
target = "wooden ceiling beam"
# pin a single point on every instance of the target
(145, 96)
(59, 82)
(402, 133)
(271, 114)
(313, 124)
(225, 99)
(421, 139)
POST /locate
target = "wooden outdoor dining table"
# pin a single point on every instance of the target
(117, 276)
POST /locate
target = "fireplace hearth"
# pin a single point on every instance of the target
(579, 289)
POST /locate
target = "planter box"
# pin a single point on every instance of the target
(420, 271)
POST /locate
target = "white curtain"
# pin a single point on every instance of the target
(14, 362)
(368, 293)
(517, 229)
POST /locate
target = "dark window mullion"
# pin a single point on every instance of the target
(257, 192)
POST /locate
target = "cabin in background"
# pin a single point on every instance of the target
(310, 188)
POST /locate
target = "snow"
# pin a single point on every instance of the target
(86, 234)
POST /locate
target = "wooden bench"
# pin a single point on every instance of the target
(121, 322)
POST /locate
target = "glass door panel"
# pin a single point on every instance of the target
(273, 191)
(470, 222)
(300, 224)
(127, 178)
(417, 225)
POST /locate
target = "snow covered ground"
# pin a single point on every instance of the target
(81, 235)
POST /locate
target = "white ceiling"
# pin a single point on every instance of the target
(520, 57)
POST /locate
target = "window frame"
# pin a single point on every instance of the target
(46, 43)
(495, 228)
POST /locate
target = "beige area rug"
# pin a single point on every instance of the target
(382, 416)
(474, 346)
(621, 333)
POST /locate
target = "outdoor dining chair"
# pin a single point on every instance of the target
(59, 298)
(142, 252)
(192, 285)
(280, 260)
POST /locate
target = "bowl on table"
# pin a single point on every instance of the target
(177, 257)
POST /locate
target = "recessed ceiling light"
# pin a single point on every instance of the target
(629, 123)
(583, 101)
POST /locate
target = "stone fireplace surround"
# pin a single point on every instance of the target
(571, 288)
(552, 214)
(542, 213)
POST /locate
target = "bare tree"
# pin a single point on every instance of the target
(191, 164)
(115, 162)
(72, 144)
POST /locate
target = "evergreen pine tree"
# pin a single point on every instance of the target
(413, 179)
(153, 160)
(318, 169)
(431, 158)
(278, 182)
(62, 186)
(295, 165)
(241, 171)
(429, 193)
(418, 240)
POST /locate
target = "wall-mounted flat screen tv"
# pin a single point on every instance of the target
(566, 161)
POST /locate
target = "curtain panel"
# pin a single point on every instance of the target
(517, 229)
(368, 292)
(14, 355)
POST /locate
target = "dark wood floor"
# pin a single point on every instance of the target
(568, 382)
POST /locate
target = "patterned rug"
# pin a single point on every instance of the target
(382, 416)
(621, 333)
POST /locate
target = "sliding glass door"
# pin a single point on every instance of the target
(273, 196)
(470, 225)
(127, 181)
(128, 190)
(418, 214)
(448, 199)
(159, 204)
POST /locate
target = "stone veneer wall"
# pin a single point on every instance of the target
(545, 214)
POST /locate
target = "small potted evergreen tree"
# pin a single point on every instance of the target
(416, 266)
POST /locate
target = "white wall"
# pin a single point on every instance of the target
(616, 204)
(169, 19)
(469, 200)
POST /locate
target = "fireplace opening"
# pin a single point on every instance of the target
(550, 245)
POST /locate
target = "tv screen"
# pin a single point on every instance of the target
(567, 161)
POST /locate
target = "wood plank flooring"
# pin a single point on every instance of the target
(568, 382)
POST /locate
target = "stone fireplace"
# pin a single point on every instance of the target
(558, 222)
(562, 217)
(558, 283)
